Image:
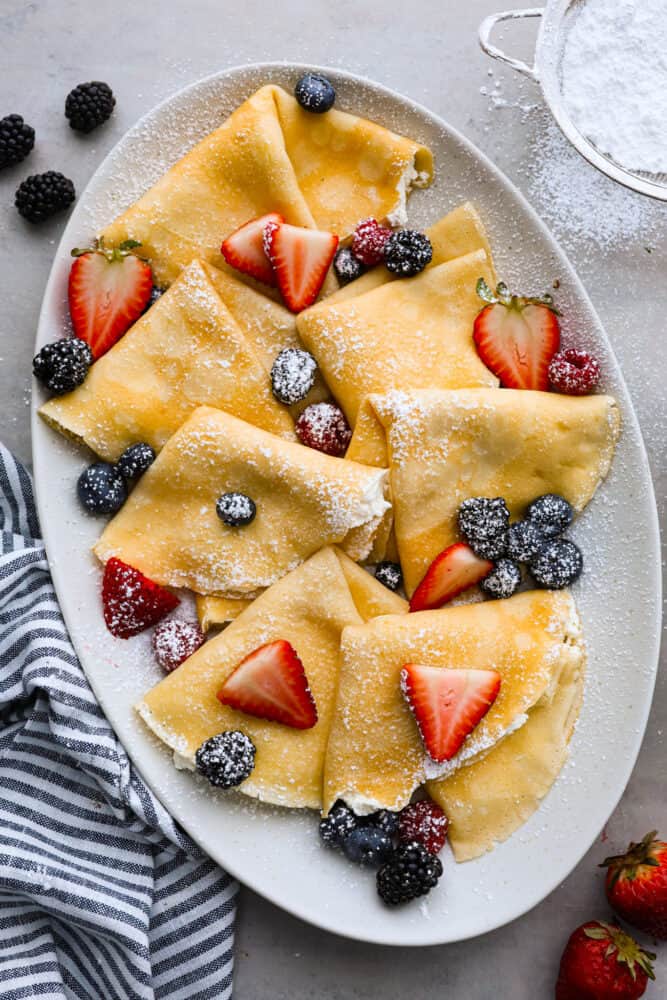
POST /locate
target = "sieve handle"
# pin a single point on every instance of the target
(486, 28)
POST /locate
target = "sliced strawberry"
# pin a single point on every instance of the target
(244, 249)
(109, 288)
(453, 571)
(131, 601)
(516, 337)
(272, 684)
(301, 259)
(447, 704)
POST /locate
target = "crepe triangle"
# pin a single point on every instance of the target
(168, 527)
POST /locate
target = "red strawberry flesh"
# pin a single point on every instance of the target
(301, 259)
(456, 569)
(131, 602)
(271, 683)
(517, 341)
(244, 249)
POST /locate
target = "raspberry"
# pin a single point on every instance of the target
(323, 426)
(174, 641)
(368, 242)
(130, 601)
(426, 822)
(574, 373)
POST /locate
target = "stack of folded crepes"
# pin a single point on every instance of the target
(431, 428)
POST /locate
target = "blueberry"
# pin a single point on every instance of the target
(315, 93)
(101, 489)
(407, 252)
(367, 845)
(293, 375)
(384, 820)
(156, 293)
(235, 509)
(335, 827)
(135, 460)
(389, 574)
(503, 580)
(524, 541)
(347, 267)
(557, 565)
(551, 513)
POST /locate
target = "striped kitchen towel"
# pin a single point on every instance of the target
(102, 896)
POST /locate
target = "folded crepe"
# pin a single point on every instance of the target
(445, 446)
(487, 801)
(327, 171)
(201, 343)
(168, 527)
(375, 757)
(309, 607)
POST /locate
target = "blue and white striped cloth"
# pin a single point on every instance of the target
(101, 895)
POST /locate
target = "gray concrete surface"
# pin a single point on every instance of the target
(616, 240)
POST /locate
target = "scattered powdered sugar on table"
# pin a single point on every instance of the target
(614, 79)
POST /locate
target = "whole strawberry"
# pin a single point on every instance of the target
(602, 962)
(636, 885)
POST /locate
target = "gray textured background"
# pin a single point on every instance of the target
(616, 240)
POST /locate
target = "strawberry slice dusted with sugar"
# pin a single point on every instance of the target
(450, 573)
(516, 337)
(109, 288)
(131, 602)
(447, 704)
(301, 259)
(271, 683)
(244, 249)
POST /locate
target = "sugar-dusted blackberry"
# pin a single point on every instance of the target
(367, 845)
(503, 580)
(411, 871)
(315, 93)
(407, 252)
(42, 195)
(336, 826)
(89, 105)
(235, 509)
(135, 460)
(557, 565)
(347, 267)
(483, 522)
(16, 140)
(293, 375)
(389, 574)
(524, 541)
(385, 820)
(226, 759)
(551, 513)
(323, 426)
(63, 365)
(101, 489)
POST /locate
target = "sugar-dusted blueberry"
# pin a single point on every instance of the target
(389, 574)
(315, 93)
(557, 565)
(135, 460)
(235, 509)
(503, 580)
(337, 825)
(101, 488)
(551, 513)
(347, 267)
(367, 845)
(524, 541)
(293, 375)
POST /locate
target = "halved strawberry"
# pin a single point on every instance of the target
(131, 602)
(454, 570)
(109, 288)
(272, 684)
(244, 249)
(516, 337)
(301, 259)
(447, 704)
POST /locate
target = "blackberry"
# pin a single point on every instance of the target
(337, 825)
(410, 872)
(101, 489)
(503, 580)
(557, 565)
(551, 513)
(226, 759)
(384, 820)
(347, 267)
(389, 574)
(367, 845)
(16, 140)
(235, 509)
(135, 460)
(42, 195)
(315, 93)
(407, 252)
(484, 522)
(63, 365)
(293, 375)
(89, 105)
(524, 541)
